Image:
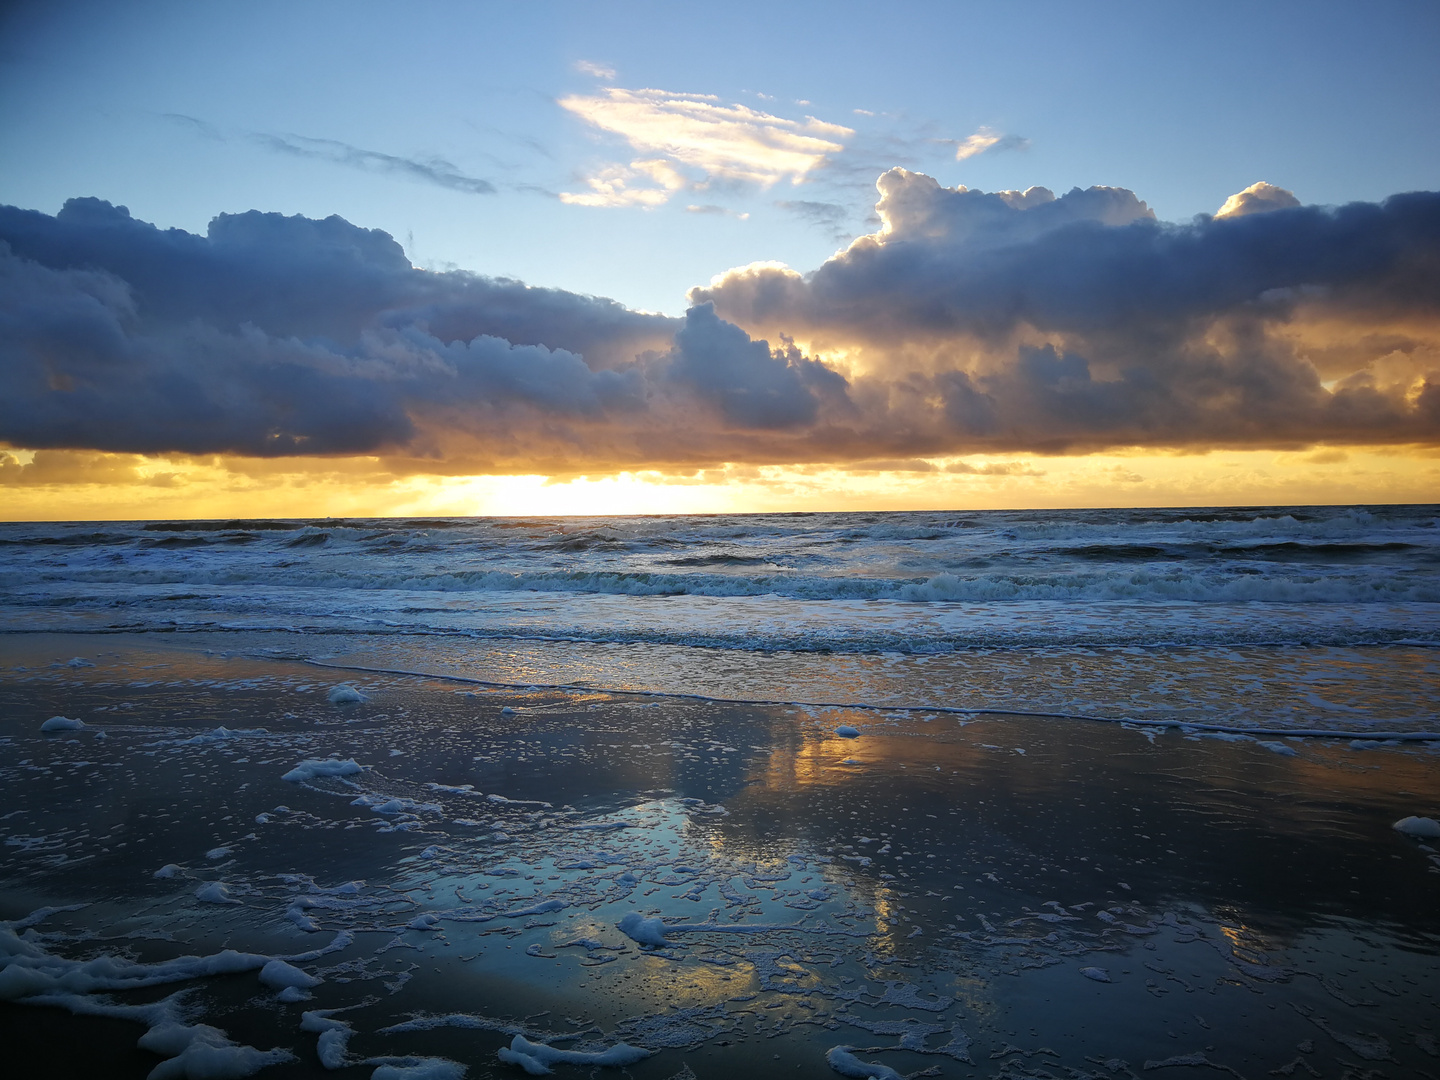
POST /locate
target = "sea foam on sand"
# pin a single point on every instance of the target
(1427, 828)
(698, 875)
(536, 1058)
(310, 769)
(30, 975)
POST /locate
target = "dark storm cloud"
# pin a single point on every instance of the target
(278, 335)
(753, 387)
(970, 322)
(305, 278)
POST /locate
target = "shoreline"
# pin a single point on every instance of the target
(1186, 726)
(455, 656)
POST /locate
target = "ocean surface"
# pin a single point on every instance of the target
(1310, 618)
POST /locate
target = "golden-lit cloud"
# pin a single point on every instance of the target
(699, 139)
(68, 468)
(1256, 199)
(987, 139)
(1007, 348)
(1086, 324)
(641, 183)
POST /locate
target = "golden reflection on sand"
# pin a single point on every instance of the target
(693, 984)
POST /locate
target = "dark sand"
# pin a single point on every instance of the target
(926, 884)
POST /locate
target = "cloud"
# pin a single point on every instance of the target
(642, 183)
(435, 171)
(1021, 321)
(67, 467)
(715, 210)
(276, 336)
(599, 71)
(195, 125)
(429, 170)
(752, 387)
(892, 465)
(996, 468)
(968, 323)
(828, 216)
(699, 139)
(985, 140)
(1257, 199)
(914, 207)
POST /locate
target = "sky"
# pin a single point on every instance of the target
(362, 258)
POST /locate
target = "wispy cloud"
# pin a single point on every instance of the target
(883, 140)
(828, 216)
(985, 140)
(599, 71)
(432, 170)
(524, 142)
(195, 126)
(998, 468)
(641, 183)
(701, 139)
(429, 170)
(715, 210)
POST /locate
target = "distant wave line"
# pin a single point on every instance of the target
(935, 648)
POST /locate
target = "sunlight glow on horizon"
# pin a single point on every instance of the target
(69, 485)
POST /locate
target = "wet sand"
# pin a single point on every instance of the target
(931, 892)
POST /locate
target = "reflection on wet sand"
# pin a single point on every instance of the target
(722, 887)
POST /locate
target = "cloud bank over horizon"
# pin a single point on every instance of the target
(1004, 322)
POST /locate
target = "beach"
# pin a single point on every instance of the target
(641, 542)
(297, 823)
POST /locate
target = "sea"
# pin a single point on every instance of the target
(1323, 618)
(1020, 795)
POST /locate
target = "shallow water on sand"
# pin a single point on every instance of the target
(725, 888)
